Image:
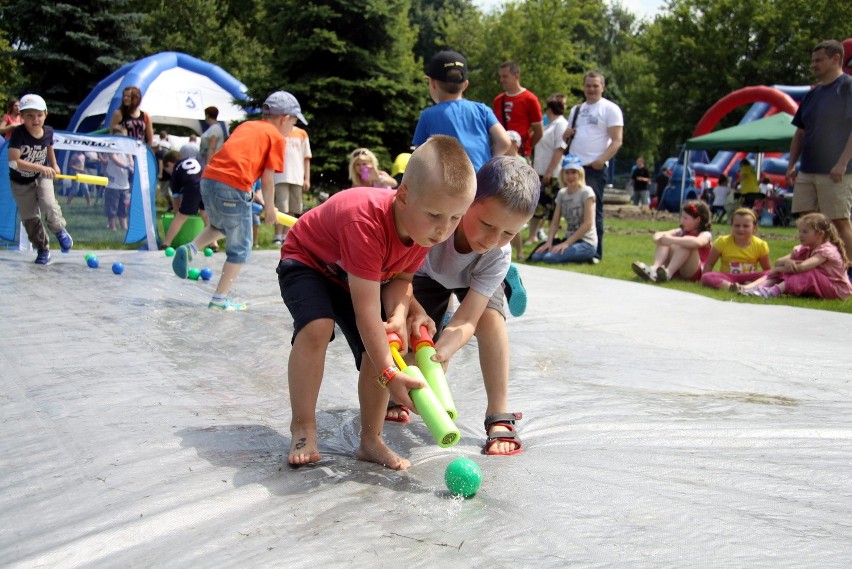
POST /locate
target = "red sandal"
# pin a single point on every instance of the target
(504, 420)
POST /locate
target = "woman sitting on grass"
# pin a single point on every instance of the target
(680, 252)
(576, 203)
(742, 254)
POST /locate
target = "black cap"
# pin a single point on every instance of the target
(447, 66)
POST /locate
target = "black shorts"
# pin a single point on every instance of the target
(310, 295)
(435, 299)
(190, 201)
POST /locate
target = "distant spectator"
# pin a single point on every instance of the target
(11, 119)
(399, 164)
(681, 252)
(213, 137)
(472, 124)
(596, 139)
(191, 149)
(295, 180)
(641, 178)
(364, 171)
(576, 203)
(823, 141)
(77, 165)
(518, 109)
(118, 168)
(135, 122)
(720, 198)
(744, 257)
(748, 187)
(817, 267)
(661, 182)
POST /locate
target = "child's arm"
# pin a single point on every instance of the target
(765, 263)
(462, 325)
(366, 299)
(687, 241)
(500, 142)
(551, 233)
(417, 317)
(267, 185)
(790, 266)
(782, 265)
(51, 158)
(660, 234)
(396, 298)
(15, 156)
(710, 262)
(588, 221)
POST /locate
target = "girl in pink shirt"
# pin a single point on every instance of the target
(681, 252)
(817, 267)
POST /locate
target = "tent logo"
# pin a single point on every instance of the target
(190, 99)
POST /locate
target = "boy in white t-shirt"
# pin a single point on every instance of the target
(472, 264)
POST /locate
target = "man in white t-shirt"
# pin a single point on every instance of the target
(596, 138)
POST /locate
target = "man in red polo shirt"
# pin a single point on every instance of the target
(518, 108)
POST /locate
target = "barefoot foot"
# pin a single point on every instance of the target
(303, 447)
(377, 451)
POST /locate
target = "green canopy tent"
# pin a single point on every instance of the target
(769, 134)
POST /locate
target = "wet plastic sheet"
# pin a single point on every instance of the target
(661, 429)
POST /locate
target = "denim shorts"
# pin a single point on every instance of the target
(229, 211)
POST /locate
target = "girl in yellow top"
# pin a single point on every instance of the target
(744, 257)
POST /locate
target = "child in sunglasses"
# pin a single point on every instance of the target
(680, 253)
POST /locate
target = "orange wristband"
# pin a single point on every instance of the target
(387, 375)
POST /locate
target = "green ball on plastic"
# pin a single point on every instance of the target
(463, 477)
(89, 256)
(208, 252)
(170, 251)
(194, 274)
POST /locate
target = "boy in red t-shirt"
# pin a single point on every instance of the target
(351, 261)
(255, 150)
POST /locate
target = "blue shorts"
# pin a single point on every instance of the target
(229, 211)
(310, 295)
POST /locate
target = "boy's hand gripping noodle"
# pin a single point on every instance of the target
(424, 349)
(440, 424)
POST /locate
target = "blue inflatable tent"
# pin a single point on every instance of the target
(176, 88)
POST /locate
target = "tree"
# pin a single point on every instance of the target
(10, 77)
(427, 17)
(210, 30)
(64, 49)
(352, 67)
(539, 36)
(701, 50)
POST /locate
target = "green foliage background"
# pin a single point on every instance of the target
(356, 66)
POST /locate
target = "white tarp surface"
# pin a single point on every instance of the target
(661, 429)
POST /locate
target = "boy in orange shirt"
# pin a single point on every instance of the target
(255, 150)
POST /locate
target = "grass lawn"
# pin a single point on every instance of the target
(629, 240)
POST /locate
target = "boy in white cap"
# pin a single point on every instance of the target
(254, 151)
(31, 177)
